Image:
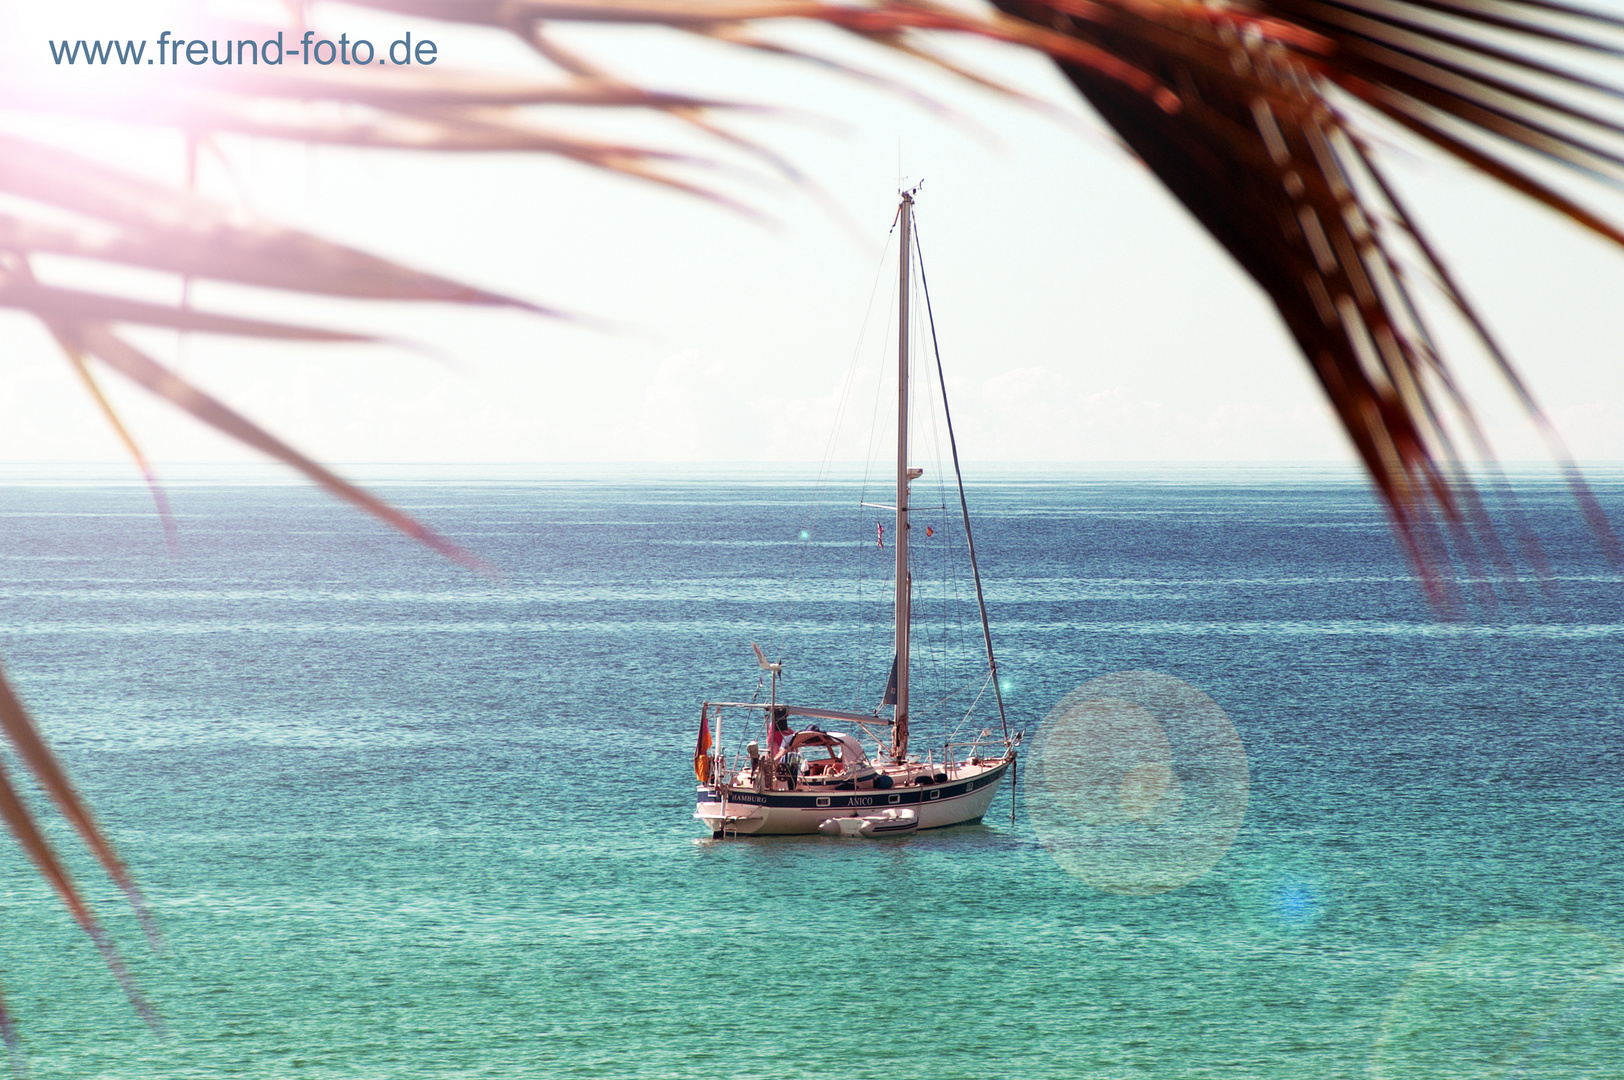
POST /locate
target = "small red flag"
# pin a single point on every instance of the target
(702, 761)
(929, 531)
(882, 533)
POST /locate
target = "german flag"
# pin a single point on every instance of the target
(702, 764)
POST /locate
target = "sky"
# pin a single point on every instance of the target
(1083, 316)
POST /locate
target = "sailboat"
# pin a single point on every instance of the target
(823, 781)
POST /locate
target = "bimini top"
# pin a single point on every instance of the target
(840, 745)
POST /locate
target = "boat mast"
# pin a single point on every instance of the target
(899, 736)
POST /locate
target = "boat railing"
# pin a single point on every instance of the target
(972, 751)
(730, 767)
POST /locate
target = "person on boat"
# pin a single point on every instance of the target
(779, 733)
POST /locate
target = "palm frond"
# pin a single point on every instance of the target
(1267, 154)
(8, 1034)
(1249, 114)
(98, 339)
(25, 739)
(1252, 114)
(76, 359)
(139, 222)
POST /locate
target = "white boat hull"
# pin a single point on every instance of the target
(960, 800)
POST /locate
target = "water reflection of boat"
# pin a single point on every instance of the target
(812, 780)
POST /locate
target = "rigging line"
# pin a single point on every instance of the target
(922, 667)
(954, 639)
(971, 710)
(936, 636)
(851, 375)
(822, 479)
(868, 455)
(874, 418)
(939, 702)
(861, 550)
(964, 505)
(938, 550)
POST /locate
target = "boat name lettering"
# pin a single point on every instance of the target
(861, 800)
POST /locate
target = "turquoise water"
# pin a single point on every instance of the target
(400, 820)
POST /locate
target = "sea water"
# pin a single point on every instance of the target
(397, 819)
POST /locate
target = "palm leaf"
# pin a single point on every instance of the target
(1242, 111)
(143, 223)
(24, 737)
(1234, 109)
(98, 340)
(1268, 159)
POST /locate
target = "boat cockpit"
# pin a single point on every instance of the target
(817, 758)
(812, 759)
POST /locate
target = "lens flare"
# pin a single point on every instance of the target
(1137, 783)
(1524, 999)
(1295, 903)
